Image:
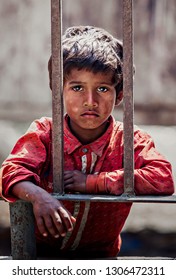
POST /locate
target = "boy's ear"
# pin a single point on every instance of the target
(119, 98)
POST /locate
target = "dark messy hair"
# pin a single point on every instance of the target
(93, 49)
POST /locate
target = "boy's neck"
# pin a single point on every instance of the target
(88, 136)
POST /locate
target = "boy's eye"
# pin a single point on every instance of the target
(77, 88)
(102, 89)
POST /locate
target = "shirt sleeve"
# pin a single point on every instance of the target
(152, 173)
(27, 158)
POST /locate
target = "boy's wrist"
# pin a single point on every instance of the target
(27, 191)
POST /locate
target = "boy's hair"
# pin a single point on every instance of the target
(93, 49)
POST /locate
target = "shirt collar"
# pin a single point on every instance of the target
(71, 143)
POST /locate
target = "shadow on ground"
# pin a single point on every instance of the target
(5, 246)
(146, 243)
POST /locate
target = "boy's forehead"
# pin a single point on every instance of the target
(84, 74)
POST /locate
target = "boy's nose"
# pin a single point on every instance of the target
(90, 100)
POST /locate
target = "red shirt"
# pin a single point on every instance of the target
(98, 225)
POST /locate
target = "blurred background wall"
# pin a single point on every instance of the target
(25, 48)
(25, 95)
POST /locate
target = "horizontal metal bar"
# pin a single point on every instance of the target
(114, 198)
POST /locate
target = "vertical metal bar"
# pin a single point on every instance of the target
(128, 96)
(57, 94)
(22, 231)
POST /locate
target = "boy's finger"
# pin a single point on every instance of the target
(67, 220)
(61, 229)
(51, 227)
(68, 174)
(68, 181)
(41, 226)
(73, 219)
(68, 187)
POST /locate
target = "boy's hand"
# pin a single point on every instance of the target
(52, 217)
(74, 181)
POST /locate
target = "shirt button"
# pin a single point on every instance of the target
(84, 150)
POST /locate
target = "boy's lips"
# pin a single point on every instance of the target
(90, 114)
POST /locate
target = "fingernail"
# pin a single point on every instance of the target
(45, 234)
(63, 234)
(56, 236)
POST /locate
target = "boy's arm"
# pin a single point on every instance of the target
(152, 174)
(20, 178)
(51, 217)
(27, 158)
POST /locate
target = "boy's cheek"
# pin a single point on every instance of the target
(71, 108)
(70, 99)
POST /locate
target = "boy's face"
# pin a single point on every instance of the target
(89, 99)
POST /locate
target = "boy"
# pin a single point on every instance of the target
(93, 154)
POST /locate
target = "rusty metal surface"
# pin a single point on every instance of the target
(22, 231)
(113, 198)
(57, 94)
(121, 198)
(128, 103)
